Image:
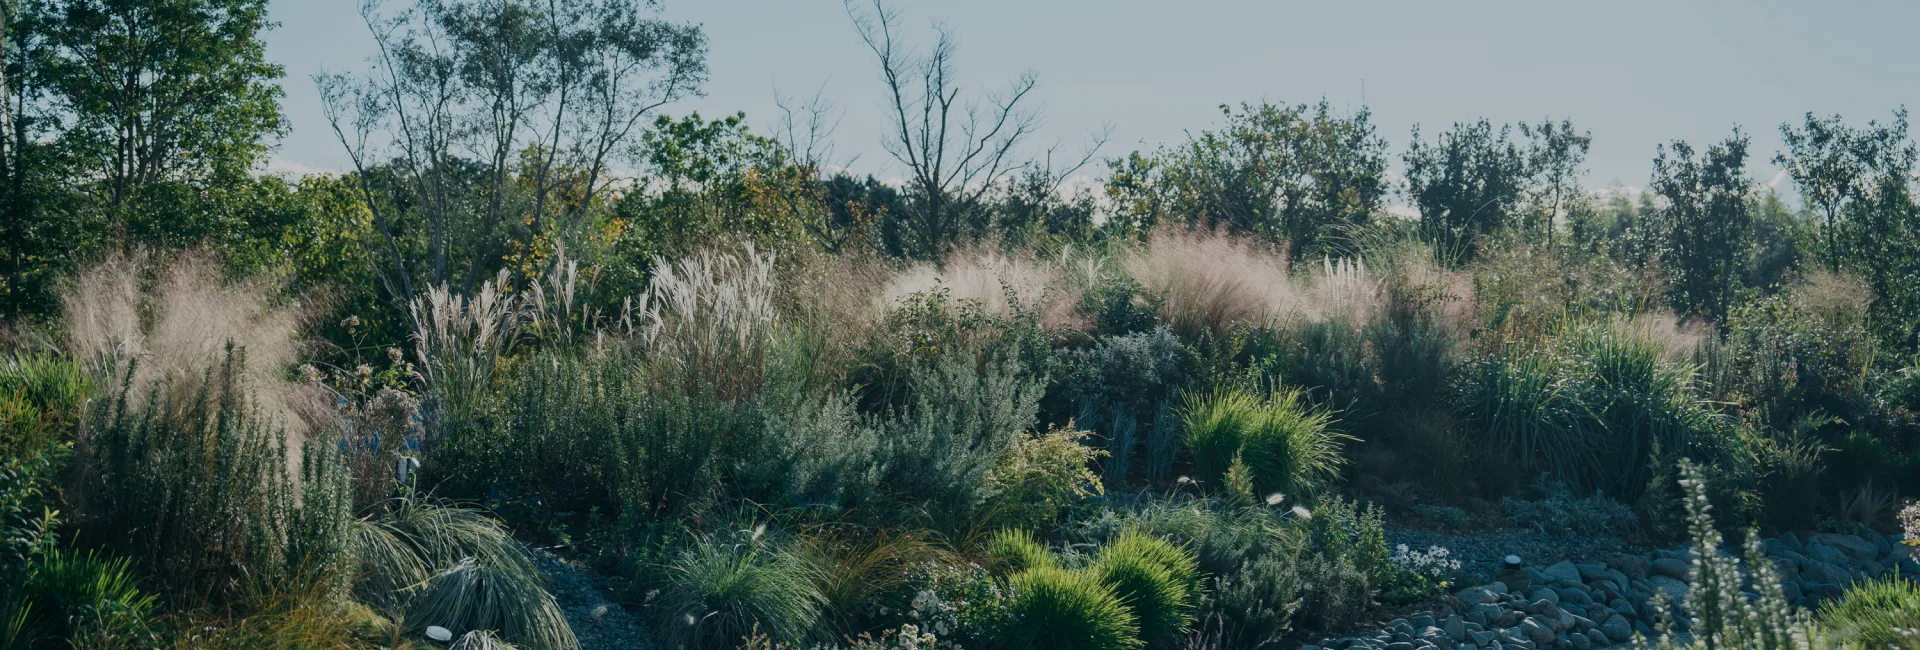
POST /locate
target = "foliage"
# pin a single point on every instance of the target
(1285, 442)
(1043, 475)
(1157, 581)
(1051, 607)
(1591, 406)
(1709, 221)
(1011, 550)
(40, 401)
(728, 585)
(1467, 184)
(28, 518)
(1348, 565)
(1299, 174)
(1723, 616)
(81, 597)
(962, 424)
(199, 488)
(1883, 613)
(1556, 511)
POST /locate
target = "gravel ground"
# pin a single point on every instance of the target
(597, 621)
(1480, 553)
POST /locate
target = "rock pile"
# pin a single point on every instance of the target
(1602, 603)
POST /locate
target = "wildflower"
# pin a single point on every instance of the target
(310, 373)
(363, 371)
(395, 355)
(351, 321)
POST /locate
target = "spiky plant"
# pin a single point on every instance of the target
(1884, 613)
(1012, 551)
(1722, 616)
(1058, 609)
(471, 595)
(722, 588)
(1283, 440)
(1157, 581)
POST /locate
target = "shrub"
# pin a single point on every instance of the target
(816, 449)
(1052, 608)
(1120, 385)
(855, 570)
(1253, 606)
(725, 587)
(1345, 563)
(1283, 441)
(1883, 613)
(471, 595)
(1723, 616)
(961, 425)
(1043, 475)
(1157, 581)
(1557, 512)
(1590, 406)
(27, 516)
(1012, 551)
(197, 489)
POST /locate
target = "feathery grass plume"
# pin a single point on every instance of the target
(1157, 581)
(999, 282)
(179, 325)
(725, 587)
(1012, 550)
(1723, 616)
(459, 341)
(1052, 608)
(1284, 441)
(707, 320)
(1883, 613)
(1209, 281)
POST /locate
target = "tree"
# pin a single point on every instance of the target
(956, 150)
(495, 124)
(1295, 173)
(131, 117)
(1555, 153)
(1710, 222)
(1467, 184)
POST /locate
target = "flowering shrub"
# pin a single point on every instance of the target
(1418, 575)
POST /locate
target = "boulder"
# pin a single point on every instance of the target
(1852, 545)
(1824, 573)
(1820, 552)
(1676, 590)
(1535, 631)
(1455, 628)
(1546, 594)
(1563, 573)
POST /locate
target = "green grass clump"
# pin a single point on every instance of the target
(1057, 609)
(472, 595)
(1014, 551)
(1157, 581)
(723, 590)
(75, 596)
(1283, 440)
(1884, 613)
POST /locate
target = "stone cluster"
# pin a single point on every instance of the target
(1603, 603)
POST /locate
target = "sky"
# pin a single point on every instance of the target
(1636, 73)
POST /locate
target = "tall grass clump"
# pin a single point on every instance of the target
(40, 401)
(1000, 283)
(1883, 613)
(1157, 581)
(197, 487)
(1052, 608)
(438, 564)
(1285, 443)
(1013, 550)
(1209, 281)
(1591, 406)
(706, 320)
(728, 586)
(76, 597)
(1723, 615)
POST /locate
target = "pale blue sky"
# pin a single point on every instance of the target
(1634, 72)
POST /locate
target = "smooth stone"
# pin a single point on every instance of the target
(1536, 632)
(1563, 572)
(1616, 627)
(1675, 589)
(1819, 551)
(1599, 639)
(1670, 568)
(1576, 596)
(1454, 627)
(1852, 545)
(1546, 594)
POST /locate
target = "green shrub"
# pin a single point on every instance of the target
(1119, 388)
(1254, 605)
(723, 589)
(197, 487)
(1555, 511)
(1345, 563)
(1012, 551)
(962, 423)
(472, 595)
(1590, 406)
(1283, 441)
(1884, 613)
(27, 516)
(1052, 608)
(1044, 475)
(1157, 581)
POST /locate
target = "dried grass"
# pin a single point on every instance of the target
(1211, 281)
(999, 283)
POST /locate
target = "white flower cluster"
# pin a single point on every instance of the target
(1436, 562)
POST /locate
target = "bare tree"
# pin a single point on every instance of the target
(955, 149)
(496, 123)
